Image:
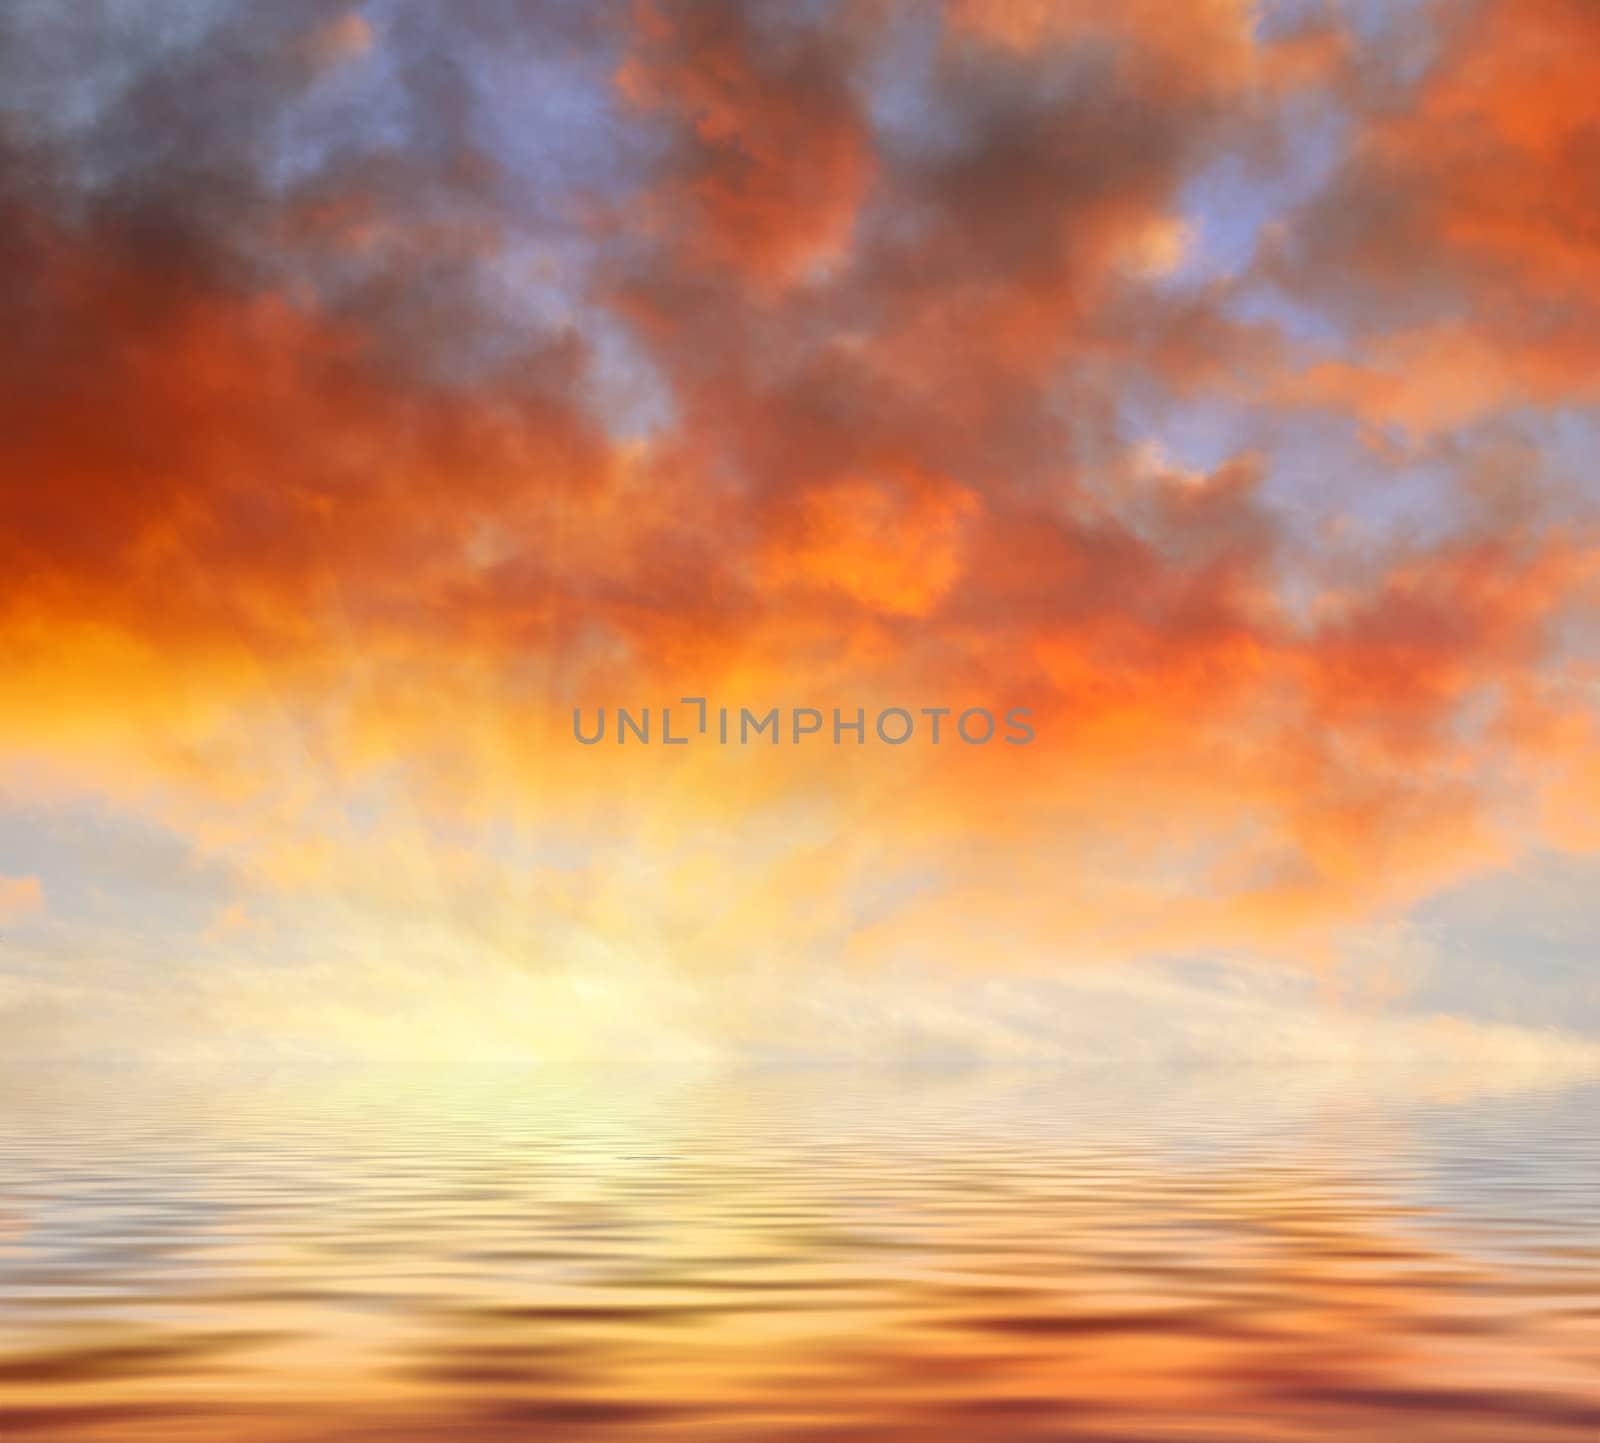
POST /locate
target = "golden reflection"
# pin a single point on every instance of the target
(650, 1254)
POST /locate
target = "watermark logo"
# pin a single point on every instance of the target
(893, 726)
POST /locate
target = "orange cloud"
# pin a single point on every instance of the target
(894, 545)
(1208, 44)
(1457, 231)
(774, 161)
(347, 38)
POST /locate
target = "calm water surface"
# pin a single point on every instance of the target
(640, 1256)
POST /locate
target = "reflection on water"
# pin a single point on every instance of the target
(816, 1257)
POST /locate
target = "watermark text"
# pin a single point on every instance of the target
(693, 719)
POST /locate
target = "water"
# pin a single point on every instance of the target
(410, 1255)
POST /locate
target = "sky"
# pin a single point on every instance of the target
(385, 381)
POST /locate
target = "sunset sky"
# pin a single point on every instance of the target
(1215, 379)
